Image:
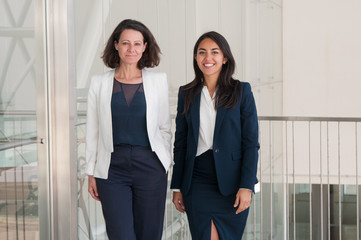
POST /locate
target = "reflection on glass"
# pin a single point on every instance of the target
(302, 211)
(18, 125)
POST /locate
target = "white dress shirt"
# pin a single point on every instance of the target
(207, 121)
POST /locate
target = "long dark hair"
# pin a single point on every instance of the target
(228, 89)
(150, 57)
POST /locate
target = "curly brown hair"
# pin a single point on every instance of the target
(151, 55)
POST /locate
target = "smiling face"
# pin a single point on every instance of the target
(210, 58)
(130, 46)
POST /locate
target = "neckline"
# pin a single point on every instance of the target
(207, 94)
(127, 83)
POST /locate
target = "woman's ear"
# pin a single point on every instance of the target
(116, 45)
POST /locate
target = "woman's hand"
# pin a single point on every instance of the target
(92, 188)
(178, 201)
(243, 200)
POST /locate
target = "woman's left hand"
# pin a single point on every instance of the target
(243, 200)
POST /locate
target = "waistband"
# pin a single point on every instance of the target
(205, 154)
(125, 145)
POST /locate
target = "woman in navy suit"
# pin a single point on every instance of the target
(128, 141)
(216, 145)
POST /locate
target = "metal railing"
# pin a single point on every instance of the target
(308, 183)
(309, 174)
(18, 176)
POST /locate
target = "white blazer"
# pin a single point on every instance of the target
(99, 136)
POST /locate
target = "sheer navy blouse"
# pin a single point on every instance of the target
(128, 107)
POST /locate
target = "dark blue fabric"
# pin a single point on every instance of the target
(133, 197)
(205, 203)
(129, 121)
(235, 144)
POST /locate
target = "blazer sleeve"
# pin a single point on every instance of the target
(165, 122)
(180, 143)
(92, 128)
(250, 144)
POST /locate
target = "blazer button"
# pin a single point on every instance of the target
(216, 151)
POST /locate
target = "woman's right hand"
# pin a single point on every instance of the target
(178, 201)
(92, 188)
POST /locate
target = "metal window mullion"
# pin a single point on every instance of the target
(15, 191)
(339, 181)
(328, 184)
(287, 187)
(310, 182)
(22, 181)
(16, 205)
(6, 204)
(321, 182)
(270, 167)
(294, 185)
(261, 195)
(23, 192)
(172, 212)
(357, 191)
(254, 199)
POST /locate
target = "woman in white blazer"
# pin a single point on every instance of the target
(128, 141)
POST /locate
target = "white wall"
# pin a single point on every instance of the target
(322, 78)
(252, 28)
(175, 24)
(322, 58)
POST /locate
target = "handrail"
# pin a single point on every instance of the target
(265, 118)
(18, 112)
(18, 143)
(309, 119)
(33, 140)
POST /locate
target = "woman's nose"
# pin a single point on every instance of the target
(130, 48)
(208, 56)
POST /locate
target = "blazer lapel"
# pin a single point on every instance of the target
(194, 112)
(150, 95)
(219, 118)
(106, 91)
(109, 84)
(145, 77)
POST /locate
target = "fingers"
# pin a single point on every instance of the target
(237, 201)
(94, 194)
(178, 201)
(243, 200)
(242, 207)
(92, 188)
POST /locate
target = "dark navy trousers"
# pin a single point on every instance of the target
(133, 197)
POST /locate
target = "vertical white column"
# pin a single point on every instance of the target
(61, 107)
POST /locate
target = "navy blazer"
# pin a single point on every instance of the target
(235, 144)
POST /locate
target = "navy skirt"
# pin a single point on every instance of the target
(205, 203)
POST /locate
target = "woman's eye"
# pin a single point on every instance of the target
(201, 53)
(215, 52)
(124, 43)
